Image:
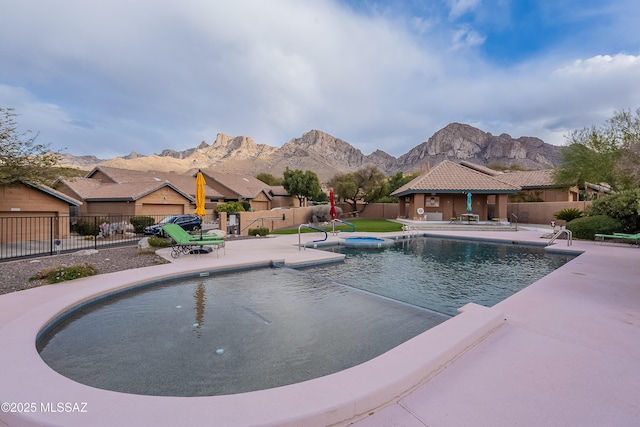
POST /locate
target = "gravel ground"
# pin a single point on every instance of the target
(15, 275)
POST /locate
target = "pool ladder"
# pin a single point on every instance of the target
(300, 245)
(559, 233)
(410, 229)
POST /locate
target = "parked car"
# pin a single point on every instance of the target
(187, 222)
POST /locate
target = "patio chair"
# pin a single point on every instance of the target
(633, 239)
(179, 231)
(184, 243)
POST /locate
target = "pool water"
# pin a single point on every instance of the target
(257, 329)
(228, 333)
(367, 242)
(444, 274)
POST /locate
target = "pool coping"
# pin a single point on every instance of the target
(336, 399)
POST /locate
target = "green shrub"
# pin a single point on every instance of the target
(587, 227)
(158, 242)
(623, 206)
(568, 214)
(262, 231)
(88, 227)
(140, 222)
(231, 208)
(62, 273)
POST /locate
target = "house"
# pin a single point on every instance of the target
(242, 187)
(107, 190)
(445, 191)
(22, 204)
(128, 198)
(537, 186)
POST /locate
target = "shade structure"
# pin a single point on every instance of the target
(332, 201)
(469, 207)
(200, 183)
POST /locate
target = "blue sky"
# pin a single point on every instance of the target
(110, 77)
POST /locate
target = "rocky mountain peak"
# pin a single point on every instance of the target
(458, 141)
(327, 155)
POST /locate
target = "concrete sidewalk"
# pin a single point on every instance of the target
(568, 354)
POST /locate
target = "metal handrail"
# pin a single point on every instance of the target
(516, 217)
(261, 219)
(559, 233)
(333, 223)
(410, 229)
(326, 235)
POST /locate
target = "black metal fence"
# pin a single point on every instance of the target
(22, 237)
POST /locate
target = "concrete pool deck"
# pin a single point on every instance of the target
(564, 351)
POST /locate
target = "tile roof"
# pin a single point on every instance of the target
(52, 192)
(244, 186)
(529, 179)
(185, 183)
(94, 190)
(278, 190)
(450, 177)
(480, 168)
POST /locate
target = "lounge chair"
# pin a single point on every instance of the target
(184, 243)
(179, 231)
(633, 239)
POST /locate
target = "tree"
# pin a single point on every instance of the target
(608, 154)
(232, 208)
(303, 185)
(22, 159)
(589, 157)
(627, 130)
(367, 184)
(269, 179)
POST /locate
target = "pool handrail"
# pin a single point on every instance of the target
(326, 235)
(559, 233)
(333, 223)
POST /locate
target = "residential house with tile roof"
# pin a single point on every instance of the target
(128, 198)
(22, 200)
(108, 190)
(443, 193)
(243, 187)
(537, 186)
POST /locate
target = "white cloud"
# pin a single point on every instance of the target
(460, 7)
(466, 37)
(117, 76)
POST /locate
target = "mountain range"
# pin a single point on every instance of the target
(327, 155)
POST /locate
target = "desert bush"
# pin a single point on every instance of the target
(140, 222)
(89, 227)
(158, 242)
(231, 208)
(262, 231)
(623, 206)
(568, 214)
(63, 273)
(587, 227)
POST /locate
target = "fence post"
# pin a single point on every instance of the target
(95, 233)
(50, 235)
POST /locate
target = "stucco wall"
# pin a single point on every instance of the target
(541, 212)
(19, 202)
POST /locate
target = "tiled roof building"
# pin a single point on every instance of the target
(450, 190)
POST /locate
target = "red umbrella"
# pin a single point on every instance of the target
(332, 200)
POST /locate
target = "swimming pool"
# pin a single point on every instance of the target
(221, 327)
(444, 274)
(228, 333)
(367, 242)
